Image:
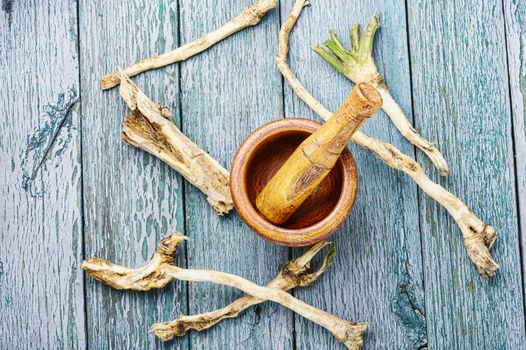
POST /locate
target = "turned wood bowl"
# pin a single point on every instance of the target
(259, 158)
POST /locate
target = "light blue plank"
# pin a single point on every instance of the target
(226, 92)
(131, 199)
(41, 284)
(515, 18)
(376, 275)
(461, 100)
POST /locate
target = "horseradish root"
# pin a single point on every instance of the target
(143, 279)
(250, 16)
(358, 65)
(160, 271)
(478, 236)
(296, 273)
(150, 128)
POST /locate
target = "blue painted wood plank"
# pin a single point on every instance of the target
(131, 199)
(461, 100)
(227, 92)
(41, 284)
(377, 274)
(515, 18)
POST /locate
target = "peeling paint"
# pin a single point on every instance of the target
(408, 305)
(257, 313)
(144, 249)
(1, 271)
(42, 140)
(7, 7)
(522, 86)
(522, 78)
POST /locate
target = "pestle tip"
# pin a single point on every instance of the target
(366, 100)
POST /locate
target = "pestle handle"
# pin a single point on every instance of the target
(308, 165)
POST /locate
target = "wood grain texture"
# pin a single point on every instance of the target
(461, 100)
(515, 18)
(226, 93)
(468, 58)
(376, 275)
(41, 285)
(131, 199)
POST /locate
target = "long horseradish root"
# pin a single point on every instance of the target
(478, 236)
(250, 16)
(296, 273)
(149, 127)
(160, 271)
(357, 64)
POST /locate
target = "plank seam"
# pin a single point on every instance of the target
(284, 114)
(515, 165)
(183, 182)
(82, 211)
(418, 194)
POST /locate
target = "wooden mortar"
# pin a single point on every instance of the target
(259, 158)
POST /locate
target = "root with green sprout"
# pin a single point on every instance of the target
(357, 64)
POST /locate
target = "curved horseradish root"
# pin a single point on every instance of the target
(150, 128)
(160, 271)
(357, 64)
(478, 236)
(250, 16)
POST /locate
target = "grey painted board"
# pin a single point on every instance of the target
(227, 92)
(131, 199)
(461, 100)
(376, 275)
(41, 286)
(515, 18)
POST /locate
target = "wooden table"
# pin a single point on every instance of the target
(71, 189)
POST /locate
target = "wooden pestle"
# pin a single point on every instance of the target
(305, 169)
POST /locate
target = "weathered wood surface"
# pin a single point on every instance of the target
(462, 101)
(515, 19)
(131, 199)
(460, 66)
(226, 92)
(41, 284)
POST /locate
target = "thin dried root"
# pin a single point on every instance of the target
(478, 237)
(160, 271)
(358, 65)
(150, 128)
(250, 16)
(296, 273)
